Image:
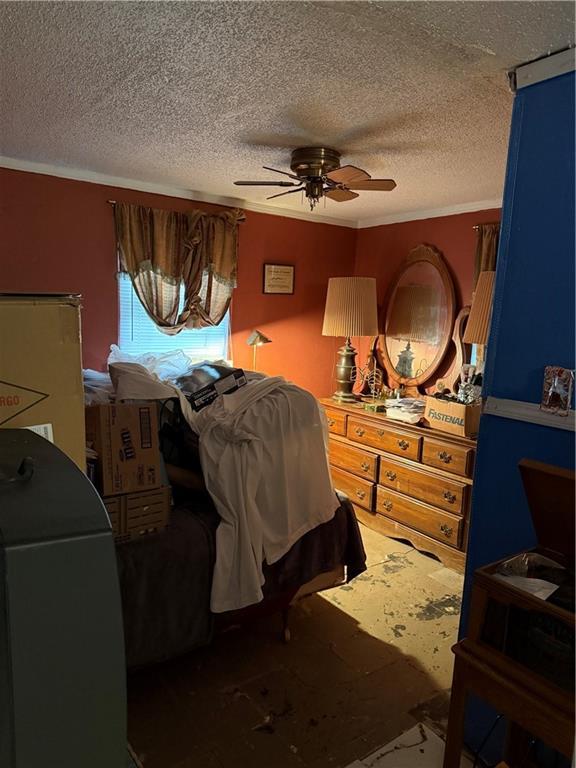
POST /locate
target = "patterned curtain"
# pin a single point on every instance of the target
(161, 250)
(486, 249)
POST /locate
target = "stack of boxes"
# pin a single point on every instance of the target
(41, 390)
(127, 472)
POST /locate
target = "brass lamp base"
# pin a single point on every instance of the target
(345, 365)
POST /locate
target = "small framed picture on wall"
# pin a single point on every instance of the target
(557, 390)
(278, 278)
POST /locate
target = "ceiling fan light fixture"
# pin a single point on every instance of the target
(318, 174)
(314, 191)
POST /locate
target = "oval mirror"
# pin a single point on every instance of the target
(418, 318)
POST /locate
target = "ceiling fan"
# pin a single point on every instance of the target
(317, 173)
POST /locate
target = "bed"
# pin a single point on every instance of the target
(256, 522)
(165, 580)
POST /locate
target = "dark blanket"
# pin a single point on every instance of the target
(165, 580)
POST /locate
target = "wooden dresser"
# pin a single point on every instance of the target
(405, 481)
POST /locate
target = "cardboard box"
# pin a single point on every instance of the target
(41, 369)
(147, 512)
(138, 514)
(456, 418)
(113, 506)
(125, 437)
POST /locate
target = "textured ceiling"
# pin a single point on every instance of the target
(197, 94)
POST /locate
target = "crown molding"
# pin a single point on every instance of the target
(431, 213)
(92, 177)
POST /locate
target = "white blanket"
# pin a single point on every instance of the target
(264, 461)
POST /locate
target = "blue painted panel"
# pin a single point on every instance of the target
(533, 318)
(532, 326)
(533, 321)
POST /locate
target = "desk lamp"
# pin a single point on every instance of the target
(256, 339)
(351, 310)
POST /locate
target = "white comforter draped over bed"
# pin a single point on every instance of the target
(264, 463)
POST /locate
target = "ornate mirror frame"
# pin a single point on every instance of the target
(432, 255)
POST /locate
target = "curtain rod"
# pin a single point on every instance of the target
(476, 226)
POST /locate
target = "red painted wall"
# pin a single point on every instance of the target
(293, 322)
(380, 251)
(58, 235)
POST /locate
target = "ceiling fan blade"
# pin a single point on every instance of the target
(340, 195)
(291, 175)
(267, 184)
(290, 192)
(376, 185)
(347, 175)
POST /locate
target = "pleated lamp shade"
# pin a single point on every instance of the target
(351, 308)
(478, 324)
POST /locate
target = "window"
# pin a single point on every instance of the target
(139, 335)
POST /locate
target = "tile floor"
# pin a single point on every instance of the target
(366, 663)
(419, 747)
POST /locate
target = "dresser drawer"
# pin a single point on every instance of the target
(336, 421)
(384, 437)
(354, 460)
(452, 458)
(432, 489)
(440, 525)
(358, 490)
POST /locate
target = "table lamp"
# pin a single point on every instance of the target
(256, 339)
(478, 325)
(351, 310)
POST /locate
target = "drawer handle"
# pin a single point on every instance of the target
(450, 497)
(365, 466)
(359, 431)
(446, 530)
(391, 475)
(360, 494)
(445, 457)
(380, 432)
(404, 444)
(387, 505)
(331, 422)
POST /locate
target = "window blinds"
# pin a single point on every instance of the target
(139, 335)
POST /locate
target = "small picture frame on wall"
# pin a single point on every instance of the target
(278, 278)
(557, 390)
